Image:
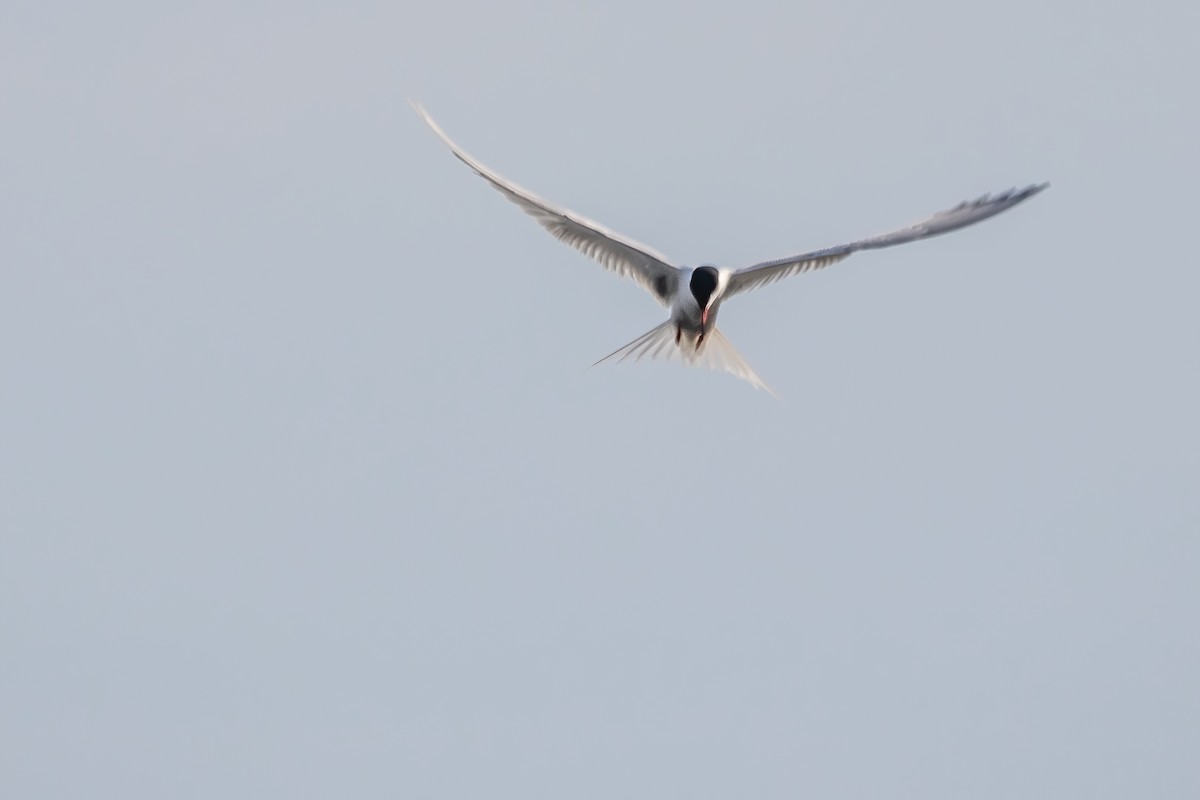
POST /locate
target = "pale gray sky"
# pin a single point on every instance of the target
(306, 489)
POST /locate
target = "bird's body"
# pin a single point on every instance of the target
(694, 295)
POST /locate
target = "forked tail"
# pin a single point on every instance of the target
(715, 353)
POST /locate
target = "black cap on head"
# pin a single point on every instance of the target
(703, 284)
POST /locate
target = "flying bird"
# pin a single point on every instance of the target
(694, 294)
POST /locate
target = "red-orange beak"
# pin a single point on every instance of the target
(704, 317)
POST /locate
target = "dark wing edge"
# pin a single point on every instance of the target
(627, 258)
(964, 214)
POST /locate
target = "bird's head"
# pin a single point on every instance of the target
(704, 288)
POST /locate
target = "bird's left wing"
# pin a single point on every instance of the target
(962, 215)
(613, 251)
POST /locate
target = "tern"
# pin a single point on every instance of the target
(694, 294)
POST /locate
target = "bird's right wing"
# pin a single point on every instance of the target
(613, 251)
(962, 215)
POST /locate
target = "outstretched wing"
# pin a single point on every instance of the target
(614, 252)
(962, 215)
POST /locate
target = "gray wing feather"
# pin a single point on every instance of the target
(962, 215)
(614, 252)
